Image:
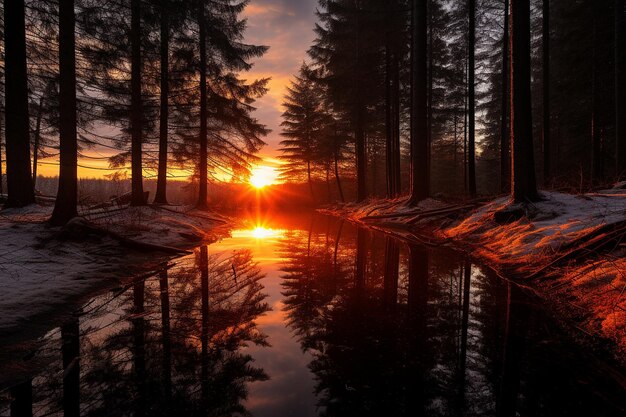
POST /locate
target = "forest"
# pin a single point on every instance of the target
(313, 207)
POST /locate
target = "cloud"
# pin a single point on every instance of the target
(286, 26)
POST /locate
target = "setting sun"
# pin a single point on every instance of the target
(263, 176)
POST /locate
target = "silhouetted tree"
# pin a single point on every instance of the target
(65, 207)
(524, 185)
(19, 184)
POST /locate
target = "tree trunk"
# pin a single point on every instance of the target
(203, 156)
(389, 131)
(339, 188)
(546, 93)
(359, 132)
(620, 85)
(161, 189)
(419, 103)
(396, 123)
(37, 140)
(505, 151)
(136, 116)
(523, 178)
(308, 171)
(65, 207)
(597, 169)
(19, 185)
(471, 145)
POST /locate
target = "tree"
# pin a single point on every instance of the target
(471, 97)
(505, 151)
(161, 190)
(203, 140)
(523, 180)
(620, 85)
(546, 93)
(65, 207)
(419, 99)
(136, 111)
(19, 184)
(303, 127)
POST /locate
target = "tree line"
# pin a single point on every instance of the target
(461, 97)
(156, 83)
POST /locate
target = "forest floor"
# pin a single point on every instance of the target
(569, 249)
(47, 271)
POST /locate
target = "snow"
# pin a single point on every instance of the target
(551, 223)
(42, 268)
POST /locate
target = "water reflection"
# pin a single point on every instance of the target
(405, 330)
(168, 344)
(312, 316)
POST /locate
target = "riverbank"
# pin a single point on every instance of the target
(46, 271)
(570, 249)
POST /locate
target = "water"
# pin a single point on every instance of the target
(305, 316)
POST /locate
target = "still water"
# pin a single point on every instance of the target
(309, 316)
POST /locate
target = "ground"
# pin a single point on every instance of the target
(570, 249)
(45, 269)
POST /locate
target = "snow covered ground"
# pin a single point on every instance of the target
(42, 269)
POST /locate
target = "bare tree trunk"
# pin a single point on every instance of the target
(523, 178)
(136, 117)
(505, 151)
(308, 172)
(547, 155)
(471, 149)
(396, 124)
(65, 207)
(343, 200)
(389, 131)
(202, 163)
(419, 104)
(359, 132)
(620, 85)
(597, 169)
(37, 140)
(19, 185)
(161, 189)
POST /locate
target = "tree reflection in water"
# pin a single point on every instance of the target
(170, 344)
(400, 330)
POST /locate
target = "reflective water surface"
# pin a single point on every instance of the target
(309, 316)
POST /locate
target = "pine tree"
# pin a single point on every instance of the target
(19, 184)
(66, 203)
(523, 173)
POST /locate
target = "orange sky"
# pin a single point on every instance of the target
(286, 26)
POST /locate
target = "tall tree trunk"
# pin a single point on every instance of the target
(65, 207)
(505, 151)
(389, 131)
(161, 189)
(37, 140)
(136, 107)
(471, 145)
(419, 103)
(19, 185)
(465, 133)
(359, 132)
(339, 188)
(309, 180)
(396, 123)
(523, 178)
(597, 159)
(620, 85)
(203, 156)
(547, 155)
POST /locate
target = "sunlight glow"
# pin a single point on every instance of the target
(263, 176)
(259, 233)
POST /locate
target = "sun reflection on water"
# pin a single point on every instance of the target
(259, 233)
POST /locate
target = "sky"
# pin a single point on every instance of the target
(286, 26)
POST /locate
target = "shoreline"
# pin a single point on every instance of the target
(569, 250)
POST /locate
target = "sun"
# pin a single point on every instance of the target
(262, 176)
